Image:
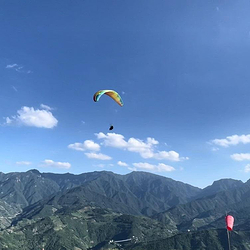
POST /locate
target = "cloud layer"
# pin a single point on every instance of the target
(146, 149)
(122, 164)
(161, 167)
(51, 163)
(23, 163)
(86, 145)
(241, 157)
(98, 156)
(232, 140)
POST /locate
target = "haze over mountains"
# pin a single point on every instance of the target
(87, 211)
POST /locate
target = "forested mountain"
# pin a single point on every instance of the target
(200, 240)
(87, 211)
(141, 193)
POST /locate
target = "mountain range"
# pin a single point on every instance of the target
(104, 210)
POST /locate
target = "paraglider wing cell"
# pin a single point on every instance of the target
(230, 222)
(111, 93)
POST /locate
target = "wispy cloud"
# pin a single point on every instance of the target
(232, 140)
(14, 88)
(103, 165)
(132, 169)
(86, 145)
(18, 68)
(145, 148)
(161, 167)
(28, 116)
(8, 121)
(215, 149)
(51, 163)
(100, 165)
(98, 156)
(122, 164)
(10, 66)
(241, 157)
(46, 107)
(23, 163)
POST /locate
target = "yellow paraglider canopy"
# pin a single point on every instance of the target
(111, 93)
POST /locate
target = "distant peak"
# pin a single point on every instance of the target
(34, 171)
(226, 181)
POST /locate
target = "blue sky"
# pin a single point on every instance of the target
(181, 67)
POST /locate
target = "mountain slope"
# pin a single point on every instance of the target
(202, 212)
(154, 191)
(80, 227)
(25, 188)
(159, 193)
(136, 193)
(144, 192)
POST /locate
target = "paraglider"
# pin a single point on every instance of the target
(229, 223)
(111, 93)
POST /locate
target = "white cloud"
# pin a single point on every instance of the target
(247, 168)
(122, 164)
(165, 168)
(86, 145)
(145, 148)
(161, 167)
(98, 156)
(112, 140)
(144, 165)
(23, 163)
(232, 140)
(50, 163)
(240, 157)
(28, 116)
(164, 155)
